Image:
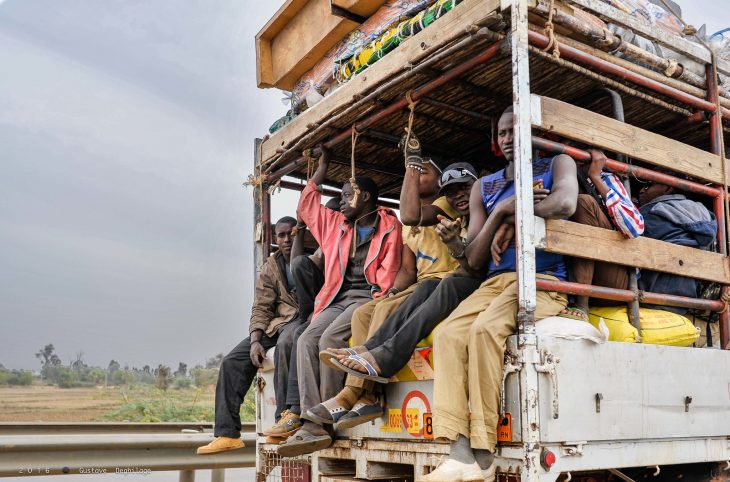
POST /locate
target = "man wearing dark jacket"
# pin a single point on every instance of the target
(274, 307)
(671, 217)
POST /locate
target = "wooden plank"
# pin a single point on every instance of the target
(470, 12)
(364, 8)
(674, 42)
(603, 132)
(579, 240)
(298, 36)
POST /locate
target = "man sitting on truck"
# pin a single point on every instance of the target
(469, 345)
(673, 218)
(308, 273)
(274, 311)
(604, 203)
(431, 243)
(362, 246)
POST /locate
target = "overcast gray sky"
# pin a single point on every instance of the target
(126, 128)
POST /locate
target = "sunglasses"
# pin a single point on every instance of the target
(452, 174)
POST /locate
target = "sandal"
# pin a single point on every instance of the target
(565, 313)
(303, 443)
(362, 412)
(324, 414)
(326, 356)
(372, 374)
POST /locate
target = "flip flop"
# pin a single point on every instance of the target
(326, 356)
(574, 317)
(324, 415)
(372, 374)
(303, 443)
(361, 413)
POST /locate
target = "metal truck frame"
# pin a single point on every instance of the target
(575, 410)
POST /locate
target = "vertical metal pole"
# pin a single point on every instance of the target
(525, 241)
(218, 475)
(716, 140)
(258, 227)
(187, 476)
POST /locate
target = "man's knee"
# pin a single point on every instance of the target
(307, 342)
(300, 266)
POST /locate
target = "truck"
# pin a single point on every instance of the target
(579, 74)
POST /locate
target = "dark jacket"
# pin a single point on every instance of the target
(677, 220)
(274, 304)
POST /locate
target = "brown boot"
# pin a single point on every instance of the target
(221, 444)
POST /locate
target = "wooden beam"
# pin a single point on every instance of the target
(605, 133)
(589, 242)
(665, 38)
(290, 44)
(410, 52)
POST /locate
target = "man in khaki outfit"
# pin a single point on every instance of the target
(469, 345)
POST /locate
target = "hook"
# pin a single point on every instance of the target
(569, 478)
(727, 467)
(657, 471)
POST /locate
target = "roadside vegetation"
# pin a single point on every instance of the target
(76, 392)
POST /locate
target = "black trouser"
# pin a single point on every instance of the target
(393, 344)
(237, 371)
(235, 376)
(308, 280)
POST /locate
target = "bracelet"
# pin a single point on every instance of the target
(392, 291)
(416, 167)
(463, 252)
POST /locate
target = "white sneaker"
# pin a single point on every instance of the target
(490, 474)
(452, 471)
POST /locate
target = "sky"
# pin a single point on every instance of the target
(126, 130)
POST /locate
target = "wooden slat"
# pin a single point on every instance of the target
(579, 240)
(665, 38)
(409, 52)
(603, 132)
(364, 8)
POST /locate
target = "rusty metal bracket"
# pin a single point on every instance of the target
(512, 364)
(547, 365)
(599, 397)
(569, 449)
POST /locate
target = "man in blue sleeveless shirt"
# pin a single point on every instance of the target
(469, 345)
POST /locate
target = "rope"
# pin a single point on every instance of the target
(550, 32)
(307, 153)
(353, 183)
(411, 118)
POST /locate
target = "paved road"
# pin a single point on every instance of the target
(232, 475)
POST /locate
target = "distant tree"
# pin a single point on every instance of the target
(67, 378)
(47, 356)
(163, 375)
(147, 369)
(182, 370)
(215, 361)
(78, 364)
(113, 366)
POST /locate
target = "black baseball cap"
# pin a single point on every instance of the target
(456, 173)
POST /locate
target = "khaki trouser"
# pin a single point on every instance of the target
(469, 354)
(368, 318)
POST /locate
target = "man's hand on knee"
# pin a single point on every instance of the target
(258, 353)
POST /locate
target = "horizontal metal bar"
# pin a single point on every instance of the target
(334, 192)
(31, 455)
(626, 169)
(571, 53)
(627, 295)
(64, 428)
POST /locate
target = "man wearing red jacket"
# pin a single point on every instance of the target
(362, 247)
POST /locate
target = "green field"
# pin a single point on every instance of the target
(136, 403)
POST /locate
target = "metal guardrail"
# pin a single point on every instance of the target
(58, 449)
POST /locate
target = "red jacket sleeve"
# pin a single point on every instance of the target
(317, 217)
(390, 264)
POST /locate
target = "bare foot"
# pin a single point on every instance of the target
(345, 352)
(354, 365)
(575, 313)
